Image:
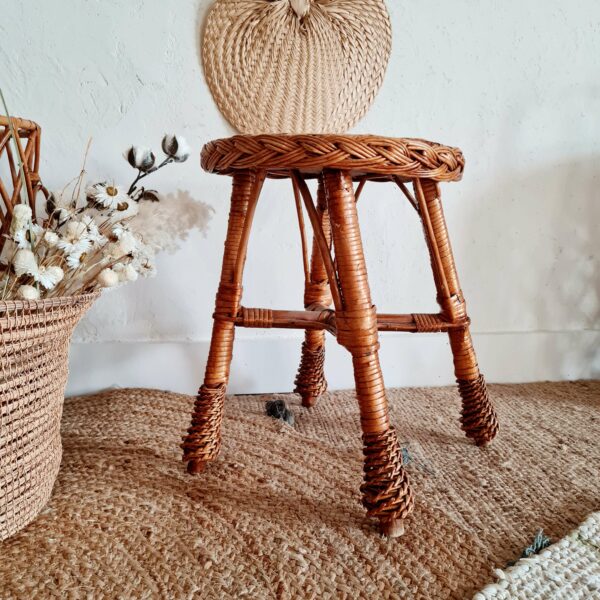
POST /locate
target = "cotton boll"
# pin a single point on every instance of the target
(24, 263)
(128, 242)
(176, 147)
(28, 292)
(130, 273)
(140, 158)
(108, 278)
(125, 272)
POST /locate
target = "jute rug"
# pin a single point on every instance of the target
(278, 515)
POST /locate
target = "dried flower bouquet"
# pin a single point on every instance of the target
(88, 238)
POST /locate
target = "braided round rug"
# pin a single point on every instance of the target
(295, 66)
(278, 515)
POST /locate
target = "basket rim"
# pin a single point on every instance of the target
(44, 303)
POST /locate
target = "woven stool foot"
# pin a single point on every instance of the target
(310, 380)
(203, 440)
(195, 467)
(391, 528)
(478, 418)
(308, 400)
(386, 489)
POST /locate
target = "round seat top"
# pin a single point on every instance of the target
(364, 156)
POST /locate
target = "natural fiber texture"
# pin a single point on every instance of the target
(14, 184)
(278, 514)
(386, 491)
(295, 66)
(203, 441)
(338, 263)
(369, 155)
(34, 348)
(310, 380)
(478, 417)
(566, 570)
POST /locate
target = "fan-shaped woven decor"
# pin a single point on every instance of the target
(295, 66)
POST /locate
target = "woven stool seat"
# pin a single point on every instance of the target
(370, 156)
(335, 273)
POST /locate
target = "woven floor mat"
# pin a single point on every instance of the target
(279, 515)
(567, 570)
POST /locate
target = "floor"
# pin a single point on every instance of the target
(278, 515)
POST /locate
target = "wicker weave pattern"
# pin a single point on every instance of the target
(386, 490)
(361, 154)
(35, 339)
(336, 272)
(27, 142)
(291, 66)
(310, 381)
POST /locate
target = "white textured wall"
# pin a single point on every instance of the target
(514, 83)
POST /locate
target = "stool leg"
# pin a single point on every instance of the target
(310, 379)
(478, 417)
(203, 440)
(386, 491)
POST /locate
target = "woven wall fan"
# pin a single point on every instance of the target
(295, 66)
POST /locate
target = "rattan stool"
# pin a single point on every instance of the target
(336, 161)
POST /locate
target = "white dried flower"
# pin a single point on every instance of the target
(92, 232)
(51, 238)
(77, 248)
(25, 263)
(74, 240)
(126, 210)
(140, 158)
(29, 236)
(109, 196)
(49, 276)
(20, 219)
(143, 260)
(176, 147)
(75, 230)
(28, 292)
(75, 259)
(108, 278)
(21, 238)
(74, 248)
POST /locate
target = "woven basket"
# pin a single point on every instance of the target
(34, 364)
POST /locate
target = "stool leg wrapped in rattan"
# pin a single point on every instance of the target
(478, 417)
(204, 438)
(386, 493)
(336, 273)
(310, 380)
